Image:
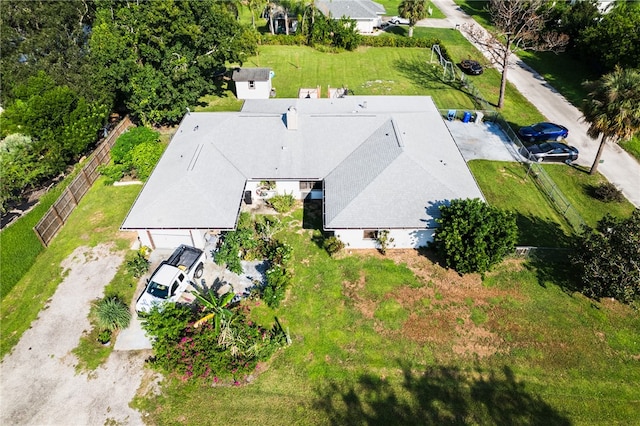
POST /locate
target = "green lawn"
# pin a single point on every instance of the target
(506, 185)
(96, 220)
(380, 342)
(390, 71)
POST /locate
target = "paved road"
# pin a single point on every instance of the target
(618, 167)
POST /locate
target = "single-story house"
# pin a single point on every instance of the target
(367, 14)
(376, 162)
(252, 83)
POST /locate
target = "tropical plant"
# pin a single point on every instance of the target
(413, 10)
(473, 236)
(215, 307)
(612, 108)
(139, 264)
(608, 258)
(278, 279)
(112, 314)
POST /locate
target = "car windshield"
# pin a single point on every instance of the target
(158, 290)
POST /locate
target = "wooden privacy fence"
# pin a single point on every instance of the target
(59, 212)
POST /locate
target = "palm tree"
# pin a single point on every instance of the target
(612, 108)
(413, 10)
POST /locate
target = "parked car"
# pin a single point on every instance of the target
(543, 132)
(550, 151)
(397, 20)
(472, 67)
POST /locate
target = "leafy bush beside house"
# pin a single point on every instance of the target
(474, 236)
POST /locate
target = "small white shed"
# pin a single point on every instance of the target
(252, 83)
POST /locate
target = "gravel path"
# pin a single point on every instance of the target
(38, 381)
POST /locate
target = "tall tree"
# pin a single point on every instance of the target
(612, 108)
(160, 56)
(608, 258)
(413, 10)
(615, 38)
(49, 36)
(517, 25)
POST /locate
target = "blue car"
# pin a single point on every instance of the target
(543, 132)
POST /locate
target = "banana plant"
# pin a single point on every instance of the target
(214, 306)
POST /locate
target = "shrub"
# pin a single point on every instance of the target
(120, 153)
(473, 236)
(333, 245)
(383, 240)
(139, 265)
(112, 314)
(144, 158)
(608, 192)
(113, 172)
(282, 203)
(607, 258)
(278, 280)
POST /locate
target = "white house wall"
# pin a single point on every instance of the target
(402, 238)
(262, 90)
(365, 26)
(171, 238)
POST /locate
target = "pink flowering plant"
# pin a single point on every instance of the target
(191, 348)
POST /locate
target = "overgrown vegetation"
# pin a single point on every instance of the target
(135, 154)
(222, 352)
(473, 236)
(333, 245)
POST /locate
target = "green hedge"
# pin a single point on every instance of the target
(371, 41)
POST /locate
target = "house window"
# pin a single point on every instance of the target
(308, 185)
(369, 234)
(252, 84)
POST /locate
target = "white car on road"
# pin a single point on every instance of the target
(397, 20)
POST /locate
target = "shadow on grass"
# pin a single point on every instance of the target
(554, 266)
(537, 232)
(431, 77)
(440, 395)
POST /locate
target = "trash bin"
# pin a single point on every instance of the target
(466, 117)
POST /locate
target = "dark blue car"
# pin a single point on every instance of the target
(543, 132)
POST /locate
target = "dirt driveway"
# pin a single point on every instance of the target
(38, 381)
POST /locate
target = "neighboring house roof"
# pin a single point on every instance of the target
(251, 74)
(355, 9)
(386, 161)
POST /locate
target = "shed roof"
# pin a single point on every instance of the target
(387, 162)
(251, 74)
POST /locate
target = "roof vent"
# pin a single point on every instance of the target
(292, 118)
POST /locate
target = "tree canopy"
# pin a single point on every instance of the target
(413, 10)
(160, 57)
(608, 258)
(612, 108)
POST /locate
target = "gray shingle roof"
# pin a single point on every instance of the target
(386, 161)
(355, 9)
(251, 74)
